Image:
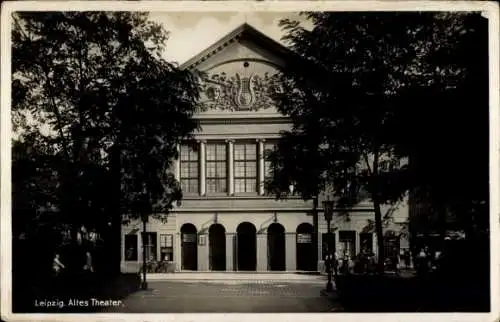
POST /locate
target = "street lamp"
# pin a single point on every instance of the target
(144, 284)
(328, 211)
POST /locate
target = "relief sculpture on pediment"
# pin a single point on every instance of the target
(238, 92)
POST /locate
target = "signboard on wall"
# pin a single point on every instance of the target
(189, 238)
(202, 240)
(304, 238)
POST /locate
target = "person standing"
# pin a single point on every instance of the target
(88, 267)
(57, 265)
(423, 265)
(407, 259)
(395, 261)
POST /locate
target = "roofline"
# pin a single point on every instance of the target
(223, 42)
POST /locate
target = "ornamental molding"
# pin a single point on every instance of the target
(238, 92)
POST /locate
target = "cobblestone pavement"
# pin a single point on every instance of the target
(230, 296)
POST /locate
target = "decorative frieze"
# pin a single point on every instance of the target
(239, 92)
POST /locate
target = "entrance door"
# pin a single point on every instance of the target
(276, 247)
(305, 248)
(217, 247)
(246, 250)
(189, 247)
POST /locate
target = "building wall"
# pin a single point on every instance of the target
(227, 120)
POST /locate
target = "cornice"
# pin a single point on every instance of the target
(235, 120)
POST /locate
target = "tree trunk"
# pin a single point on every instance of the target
(114, 237)
(380, 236)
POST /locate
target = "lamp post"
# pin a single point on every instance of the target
(144, 283)
(328, 211)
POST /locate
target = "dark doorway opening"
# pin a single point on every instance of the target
(305, 248)
(276, 247)
(217, 247)
(189, 247)
(246, 247)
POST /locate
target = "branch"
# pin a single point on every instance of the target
(51, 98)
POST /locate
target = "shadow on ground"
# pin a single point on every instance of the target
(34, 298)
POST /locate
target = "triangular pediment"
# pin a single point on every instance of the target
(239, 73)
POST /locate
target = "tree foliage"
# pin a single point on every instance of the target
(351, 93)
(93, 91)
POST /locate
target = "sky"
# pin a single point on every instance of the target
(192, 32)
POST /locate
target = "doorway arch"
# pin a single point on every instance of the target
(189, 247)
(217, 247)
(305, 248)
(276, 247)
(246, 247)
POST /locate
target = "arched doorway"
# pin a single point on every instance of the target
(217, 247)
(276, 247)
(189, 247)
(246, 249)
(305, 248)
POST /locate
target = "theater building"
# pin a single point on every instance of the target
(226, 222)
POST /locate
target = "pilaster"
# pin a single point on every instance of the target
(230, 167)
(202, 168)
(203, 260)
(230, 251)
(177, 251)
(291, 251)
(261, 166)
(261, 252)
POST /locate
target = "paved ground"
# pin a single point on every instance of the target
(230, 294)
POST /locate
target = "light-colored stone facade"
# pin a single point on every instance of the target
(233, 115)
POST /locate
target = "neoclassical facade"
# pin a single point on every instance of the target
(226, 222)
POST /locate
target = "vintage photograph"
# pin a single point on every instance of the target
(250, 161)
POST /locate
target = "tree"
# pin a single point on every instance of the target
(94, 87)
(346, 92)
(449, 158)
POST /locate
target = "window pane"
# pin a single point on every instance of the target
(239, 185)
(131, 251)
(184, 152)
(251, 152)
(193, 155)
(221, 152)
(150, 242)
(210, 150)
(251, 185)
(193, 185)
(185, 185)
(211, 185)
(221, 170)
(210, 169)
(366, 241)
(193, 169)
(239, 169)
(184, 169)
(221, 185)
(251, 169)
(239, 152)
